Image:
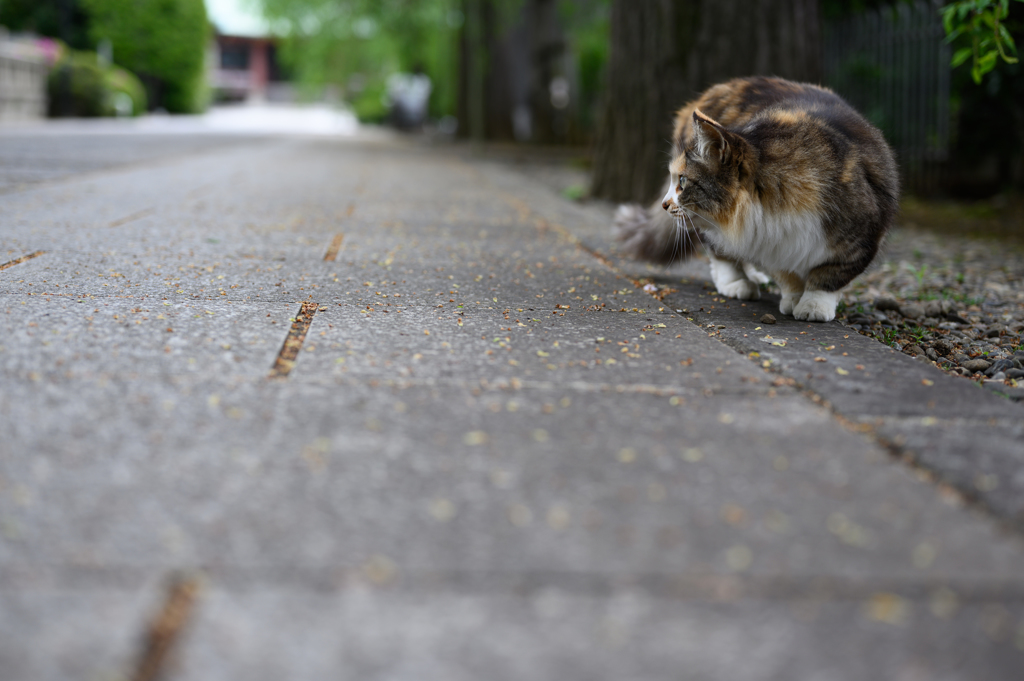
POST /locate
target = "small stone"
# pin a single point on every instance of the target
(912, 311)
(930, 321)
(933, 308)
(994, 331)
(1017, 364)
(954, 317)
(1019, 355)
(1015, 373)
(960, 358)
(999, 366)
(768, 319)
(932, 355)
(976, 365)
(999, 376)
(886, 304)
(943, 347)
(947, 306)
(913, 349)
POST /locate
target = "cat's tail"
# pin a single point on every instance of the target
(652, 234)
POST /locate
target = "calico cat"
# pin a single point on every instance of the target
(774, 176)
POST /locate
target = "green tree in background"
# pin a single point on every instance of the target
(356, 44)
(63, 19)
(162, 41)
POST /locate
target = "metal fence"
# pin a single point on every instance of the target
(892, 64)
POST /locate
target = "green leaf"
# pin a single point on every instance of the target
(988, 61)
(960, 56)
(947, 18)
(1007, 38)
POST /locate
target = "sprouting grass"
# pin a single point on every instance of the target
(919, 274)
(956, 296)
(889, 336)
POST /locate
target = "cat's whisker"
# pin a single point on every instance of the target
(696, 233)
(693, 213)
(679, 243)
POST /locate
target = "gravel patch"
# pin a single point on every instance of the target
(954, 302)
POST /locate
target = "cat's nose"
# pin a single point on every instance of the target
(665, 204)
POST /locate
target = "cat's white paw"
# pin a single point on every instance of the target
(816, 306)
(755, 275)
(788, 302)
(744, 289)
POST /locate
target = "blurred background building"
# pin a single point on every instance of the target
(244, 60)
(24, 66)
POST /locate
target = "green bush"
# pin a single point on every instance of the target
(161, 41)
(93, 89)
(86, 86)
(369, 106)
(122, 81)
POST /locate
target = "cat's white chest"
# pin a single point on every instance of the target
(789, 241)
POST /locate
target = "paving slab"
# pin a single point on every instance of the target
(92, 337)
(30, 157)
(652, 351)
(67, 632)
(437, 478)
(558, 633)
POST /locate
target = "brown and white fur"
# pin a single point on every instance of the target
(777, 177)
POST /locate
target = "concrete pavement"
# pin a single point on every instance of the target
(397, 412)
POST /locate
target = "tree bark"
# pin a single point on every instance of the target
(666, 52)
(509, 56)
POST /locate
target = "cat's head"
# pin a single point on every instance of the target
(710, 171)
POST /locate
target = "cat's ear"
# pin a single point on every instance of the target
(709, 136)
(715, 142)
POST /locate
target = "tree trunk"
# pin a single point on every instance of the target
(666, 52)
(510, 53)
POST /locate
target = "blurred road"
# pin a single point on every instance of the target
(376, 410)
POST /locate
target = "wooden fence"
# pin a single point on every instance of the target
(892, 64)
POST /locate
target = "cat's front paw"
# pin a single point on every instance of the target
(788, 302)
(744, 289)
(816, 306)
(755, 275)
